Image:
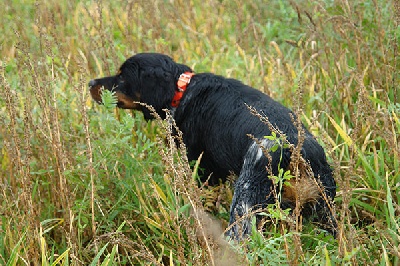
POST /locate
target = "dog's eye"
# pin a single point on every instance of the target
(120, 79)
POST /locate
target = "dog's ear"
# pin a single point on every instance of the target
(157, 90)
(158, 86)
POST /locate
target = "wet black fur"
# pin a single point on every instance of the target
(214, 118)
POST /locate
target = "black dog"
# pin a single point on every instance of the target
(214, 116)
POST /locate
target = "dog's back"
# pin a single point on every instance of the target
(218, 110)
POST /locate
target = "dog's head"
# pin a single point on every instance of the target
(148, 78)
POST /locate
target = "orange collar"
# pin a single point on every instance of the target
(183, 81)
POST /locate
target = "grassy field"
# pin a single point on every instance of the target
(83, 184)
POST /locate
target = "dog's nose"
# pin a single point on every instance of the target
(92, 83)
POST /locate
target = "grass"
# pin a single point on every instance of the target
(85, 184)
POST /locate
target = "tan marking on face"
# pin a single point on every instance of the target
(127, 102)
(95, 92)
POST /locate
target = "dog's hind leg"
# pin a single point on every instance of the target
(252, 191)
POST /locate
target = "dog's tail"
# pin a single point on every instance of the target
(312, 193)
(303, 187)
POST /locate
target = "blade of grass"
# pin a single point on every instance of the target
(14, 254)
(98, 255)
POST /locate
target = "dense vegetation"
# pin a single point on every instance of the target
(86, 184)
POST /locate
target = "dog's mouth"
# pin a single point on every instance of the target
(123, 100)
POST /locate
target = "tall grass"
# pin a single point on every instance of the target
(85, 184)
